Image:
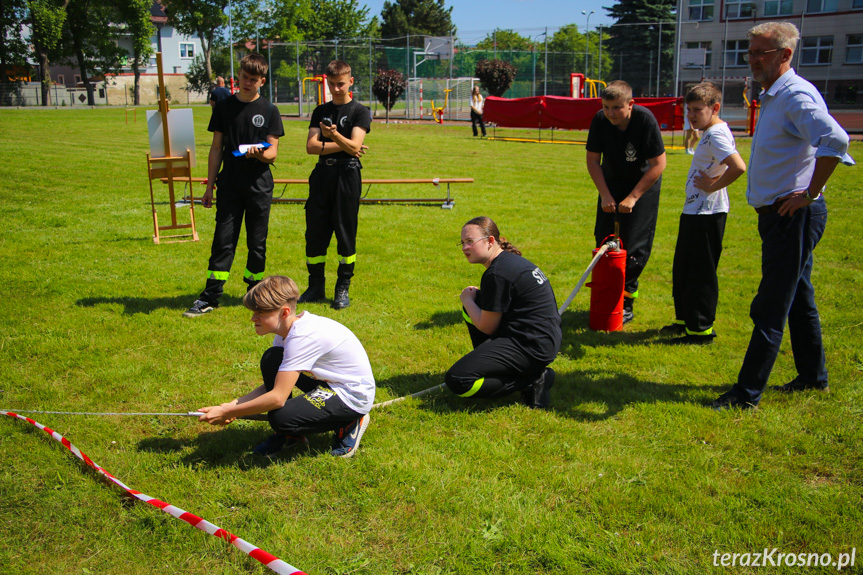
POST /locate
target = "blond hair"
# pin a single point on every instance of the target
(617, 90)
(782, 34)
(272, 293)
(706, 93)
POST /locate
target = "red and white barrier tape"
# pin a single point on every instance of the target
(270, 561)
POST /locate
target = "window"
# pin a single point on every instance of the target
(778, 7)
(817, 50)
(61, 79)
(701, 9)
(857, 4)
(77, 79)
(854, 49)
(739, 9)
(187, 50)
(702, 48)
(821, 6)
(735, 50)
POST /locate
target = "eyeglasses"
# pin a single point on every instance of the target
(749, 56)
(470, 243)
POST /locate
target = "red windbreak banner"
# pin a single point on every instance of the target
(571, 113)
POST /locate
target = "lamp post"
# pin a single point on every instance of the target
(586, 40)
(231, 42)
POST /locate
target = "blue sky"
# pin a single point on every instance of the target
(474, 18)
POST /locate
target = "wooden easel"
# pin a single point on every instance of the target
(174, 167)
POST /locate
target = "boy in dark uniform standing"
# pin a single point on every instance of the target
(245, 182)
(625, 159)
(336, 134)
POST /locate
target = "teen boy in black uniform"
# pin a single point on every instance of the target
(245, 182)
(625, 159)
(336, 134)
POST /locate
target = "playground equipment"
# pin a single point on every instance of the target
(437, 113)
(582, 87)
(323, 91)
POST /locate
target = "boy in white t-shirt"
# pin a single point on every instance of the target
(715, 165)
(319, 356)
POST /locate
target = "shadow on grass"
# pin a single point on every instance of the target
(581, 395)
(231, 446)
(575, 329)
(134, 305)
(441, 319)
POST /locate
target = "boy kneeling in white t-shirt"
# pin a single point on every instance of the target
(319, 356)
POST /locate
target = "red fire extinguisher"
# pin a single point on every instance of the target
(607, 283)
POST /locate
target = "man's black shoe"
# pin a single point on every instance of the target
(730, 400)
(315, 292)
(537, 395)
(797, 384)
(340, 298)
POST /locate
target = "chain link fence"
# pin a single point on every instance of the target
(677, 57)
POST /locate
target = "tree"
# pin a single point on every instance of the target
(46, 18)
(505, 40)
(292, 20)
(13, 49)
(580, 52)
(495, 76)
(201, 18)
(197, 77)
(388, 86)
(136, 17)
(416, 17)
(90, 40)
(634, 39)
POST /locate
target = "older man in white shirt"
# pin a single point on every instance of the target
(796, 146)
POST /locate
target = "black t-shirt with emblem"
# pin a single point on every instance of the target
(625, 154)
(518, 289)
(245, 123)
(346, 117)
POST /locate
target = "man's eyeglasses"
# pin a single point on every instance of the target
(749, 56)
(470, 243)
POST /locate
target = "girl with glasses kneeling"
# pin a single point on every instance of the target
(512, 320)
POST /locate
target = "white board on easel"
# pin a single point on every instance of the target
(181, 131)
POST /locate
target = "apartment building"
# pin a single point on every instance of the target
(830, 54)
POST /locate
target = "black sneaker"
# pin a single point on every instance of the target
(690, 339)
(340, 297)
(628, 315)
(730, 400)
(346, 441)
(673, 329)
(275, 443)
(199, 308)
(537, 395)
(797, 384)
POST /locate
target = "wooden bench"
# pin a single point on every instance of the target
(446, 203)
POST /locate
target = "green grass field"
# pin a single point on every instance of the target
(628, 473)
